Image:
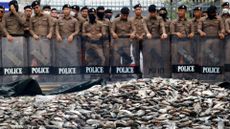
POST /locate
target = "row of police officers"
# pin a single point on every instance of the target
(108, 42)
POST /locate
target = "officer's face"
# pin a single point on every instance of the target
(28, 12)
(138, 11)
(197, 13)
(181, 12)
(124, 16)
(54, 13)
(37, 9)
(153, 14)
(1, 12)
(66, 11)
(84, 13)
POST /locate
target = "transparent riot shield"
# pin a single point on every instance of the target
(67, 60)
(122, 60)
(183, 59)
(227, 58)
(14, 59)
(95, 61)
(40, 58)
(211, 59)
(156, 58)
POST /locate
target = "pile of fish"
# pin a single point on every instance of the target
(135, 104)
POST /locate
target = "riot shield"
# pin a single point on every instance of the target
(122, 60)
(95, 66)
(40, 60)
(156, 58)
(67, 60)
(227, 58)
(211, 59)
(183, 59)
(14, 59)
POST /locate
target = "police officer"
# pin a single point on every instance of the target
(164, 14)
(212, 25)
(93, 31)
(139, 24)
(67, 26)
(27, 14)
(46, 9)
(227, 25)
(84, 13)
(181, 27)
(13, 21)
(107, 25)
(197, 14)
(40, 24)
(2, 11)
(108, 14)
(54, 13)
(225, 5)
(122, 28)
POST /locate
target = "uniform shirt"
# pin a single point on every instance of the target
(139, 25)
(167, 27)
(93, 29)
(54, 23)
(13, 24)
(66, 26)
(107, 26)
(122, 27)
(41, 25)
(155, 25)
(195, 23)
(211, 27)
(181, 25)
(81, 21)
(227, 25)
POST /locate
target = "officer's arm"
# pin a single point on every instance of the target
(113, 28)
(51, 28)
(31, 27)
(191, 27)
(200, 26)
(227, 22)
(57, 28)
(162, 24)
(134, 30)
(4, 26)
(21, 19)
(77, 27)
(145, 26)
(84, 33)
(222, 30)
(172, 28)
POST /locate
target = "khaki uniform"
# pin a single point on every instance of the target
(195, 23)
(211, 27)
(1, 28)
(183, 26)
(54, 23)
(93, 44)
(139, 26)
(41, 25)
(13, 24)
(106, 42)
(66, 26)
(153, 59)
(167, 27)
(121, 46)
